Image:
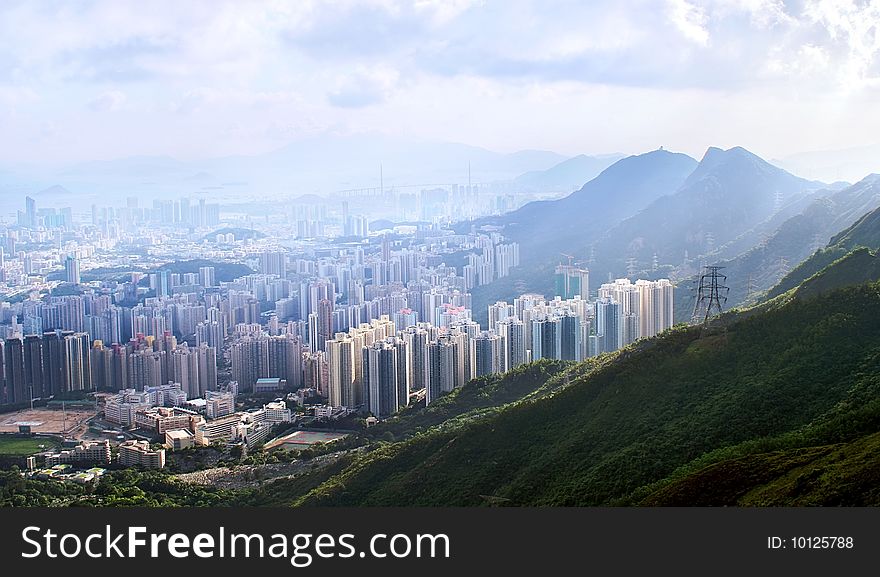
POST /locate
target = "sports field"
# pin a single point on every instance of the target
(43, 420)
(303, 439)
(10, 445)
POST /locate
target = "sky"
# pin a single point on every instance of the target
(93, 80)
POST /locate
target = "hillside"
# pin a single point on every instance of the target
(730, 193)
(801, 375)
(842, 474)
(753, 273)
(865, 231)
(568, 225)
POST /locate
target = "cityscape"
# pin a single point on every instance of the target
(440, 254)
(343, 319)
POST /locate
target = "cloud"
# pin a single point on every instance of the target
(362, 88)
(193, 100)
(109, 101)
(690, 20)
(239, 77)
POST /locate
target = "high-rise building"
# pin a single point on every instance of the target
(324, 320)
(341, 359)
(417, 339)
(547, 338)
(13, 363)
(443, 376)
(655, 306)
(513, 346)
(607, 325)
(380, 374)
(273, 263)
(72, 269)
(206, 276)
(572, 281)
(485, 354)
(33, 366)
(570, 337)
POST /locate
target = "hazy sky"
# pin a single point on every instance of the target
(105, 79)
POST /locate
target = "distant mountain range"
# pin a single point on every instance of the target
(654, 215)
(316, 165)
(568, 175)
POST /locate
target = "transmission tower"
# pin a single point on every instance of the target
(711, 294)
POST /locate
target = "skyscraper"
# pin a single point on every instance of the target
(513, 344)
(71, 269)
(570, 337)
(572, 281)
(485, 354)
(33, 366)
(380, 374)
(607, 325)
(13, 362)
(442, 370)
(341, 359)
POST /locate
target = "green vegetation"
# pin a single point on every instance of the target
(286, 491)
(846, 474)
(801, 376)
(125, 488)
(865, 232)
(23, 446)
(476, 398)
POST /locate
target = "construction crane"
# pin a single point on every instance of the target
(570, 258)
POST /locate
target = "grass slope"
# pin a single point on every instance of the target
(843, 474)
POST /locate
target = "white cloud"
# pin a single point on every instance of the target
(690, 20)
(231, 77)
(109, 101)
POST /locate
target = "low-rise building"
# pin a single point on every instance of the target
(179, 439)
(139, 453)
(214, 430)
(270, 385)
(157, 420)
(94, 452)
(219, 404)
(277, 412)
(252, 432)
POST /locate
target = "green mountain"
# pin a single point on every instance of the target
(836, 474)
(763, 400)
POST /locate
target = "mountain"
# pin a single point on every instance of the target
(568, 174)
(865, 232)
(619, 191)
(755, 271)
(546, 229)
(679, 419)
(54, 190)
(729, 193)
(320, 164)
